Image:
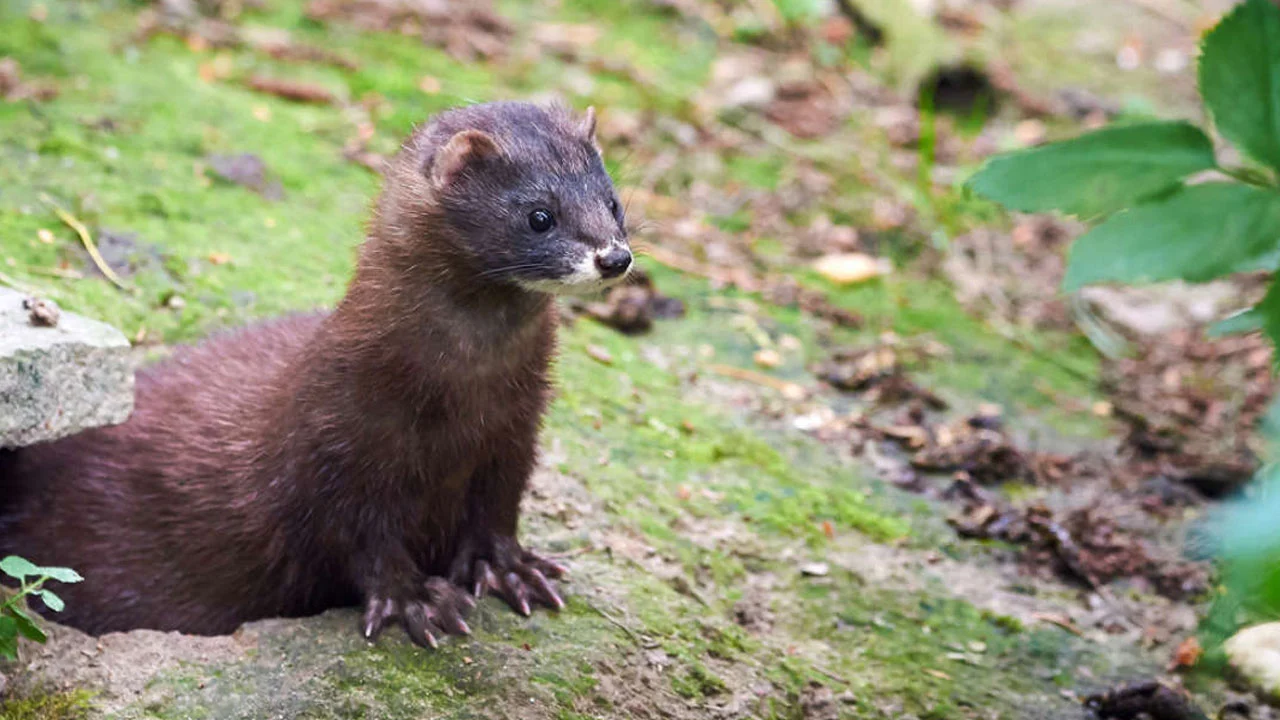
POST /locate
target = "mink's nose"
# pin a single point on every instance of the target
(614, 262)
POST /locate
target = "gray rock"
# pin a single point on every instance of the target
(55, 381)
(1155, 310)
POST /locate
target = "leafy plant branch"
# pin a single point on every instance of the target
(1164, 208)
(15, 620)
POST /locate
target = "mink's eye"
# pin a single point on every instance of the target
(613, 206)
(541, 220)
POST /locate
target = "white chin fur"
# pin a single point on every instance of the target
(568, 285)
(584, 280)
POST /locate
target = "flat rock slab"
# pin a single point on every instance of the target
(59, 380)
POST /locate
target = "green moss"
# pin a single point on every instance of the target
(738, 222)
(146, 179)
(696, 681)
(937, 654)
(760, 171)
(73, 705)
(657, 442)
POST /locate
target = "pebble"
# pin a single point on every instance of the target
(768, 358)
(815, 569)
(1254, 653)
(599, 354)
(851, 268)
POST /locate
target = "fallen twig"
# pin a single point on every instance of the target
(1062, 622)
(297, 52)
(830, 674)
(635, 638)
(779, 290)
(63, 273)
(789, 390)
(87, 240)
(676, 261)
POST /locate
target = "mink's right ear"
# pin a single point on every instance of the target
(587, 126)
(465, 149)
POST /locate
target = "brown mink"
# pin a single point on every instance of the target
(376, 454)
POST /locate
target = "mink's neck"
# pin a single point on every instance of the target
(428, 317)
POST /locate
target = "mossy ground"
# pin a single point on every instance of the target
(46, 705)
(672, 501)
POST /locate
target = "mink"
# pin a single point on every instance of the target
(375, 454)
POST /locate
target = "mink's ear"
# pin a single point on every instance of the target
(465, 149)
(587, 126)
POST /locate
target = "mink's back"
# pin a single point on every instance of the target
(165, 515)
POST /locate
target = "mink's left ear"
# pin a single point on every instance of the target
(466, 150)
(587, 126)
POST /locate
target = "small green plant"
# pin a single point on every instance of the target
(15, 619)
(1165, 207)
(1152, 224)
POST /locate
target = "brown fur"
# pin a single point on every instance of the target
(363, 455)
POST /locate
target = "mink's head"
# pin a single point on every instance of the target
(510, 193)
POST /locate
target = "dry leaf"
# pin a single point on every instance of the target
(292, 90)
(1187, 654)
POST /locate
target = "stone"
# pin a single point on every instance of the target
(59, 380)
(1156, 310)
(1254, 654)
(815, 569)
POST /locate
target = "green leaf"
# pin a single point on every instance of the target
(8, 638)
(1269, 429)
(1250, 541)
(1197, 234)
(1240, 79)
(18, 568)
(51, 601)
(26, 624)
(61, 574)
(1097, 173)
(1245, 321)
(1269, 312)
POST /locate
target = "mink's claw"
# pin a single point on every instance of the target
(543, 590)
(438, 610)
(377, 613)
(544, 566)
(524, 583)
(485, 580)
(520, 577)
(516, 593)
(417, 622)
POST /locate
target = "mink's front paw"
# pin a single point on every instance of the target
(508, 570)
(437, 609)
